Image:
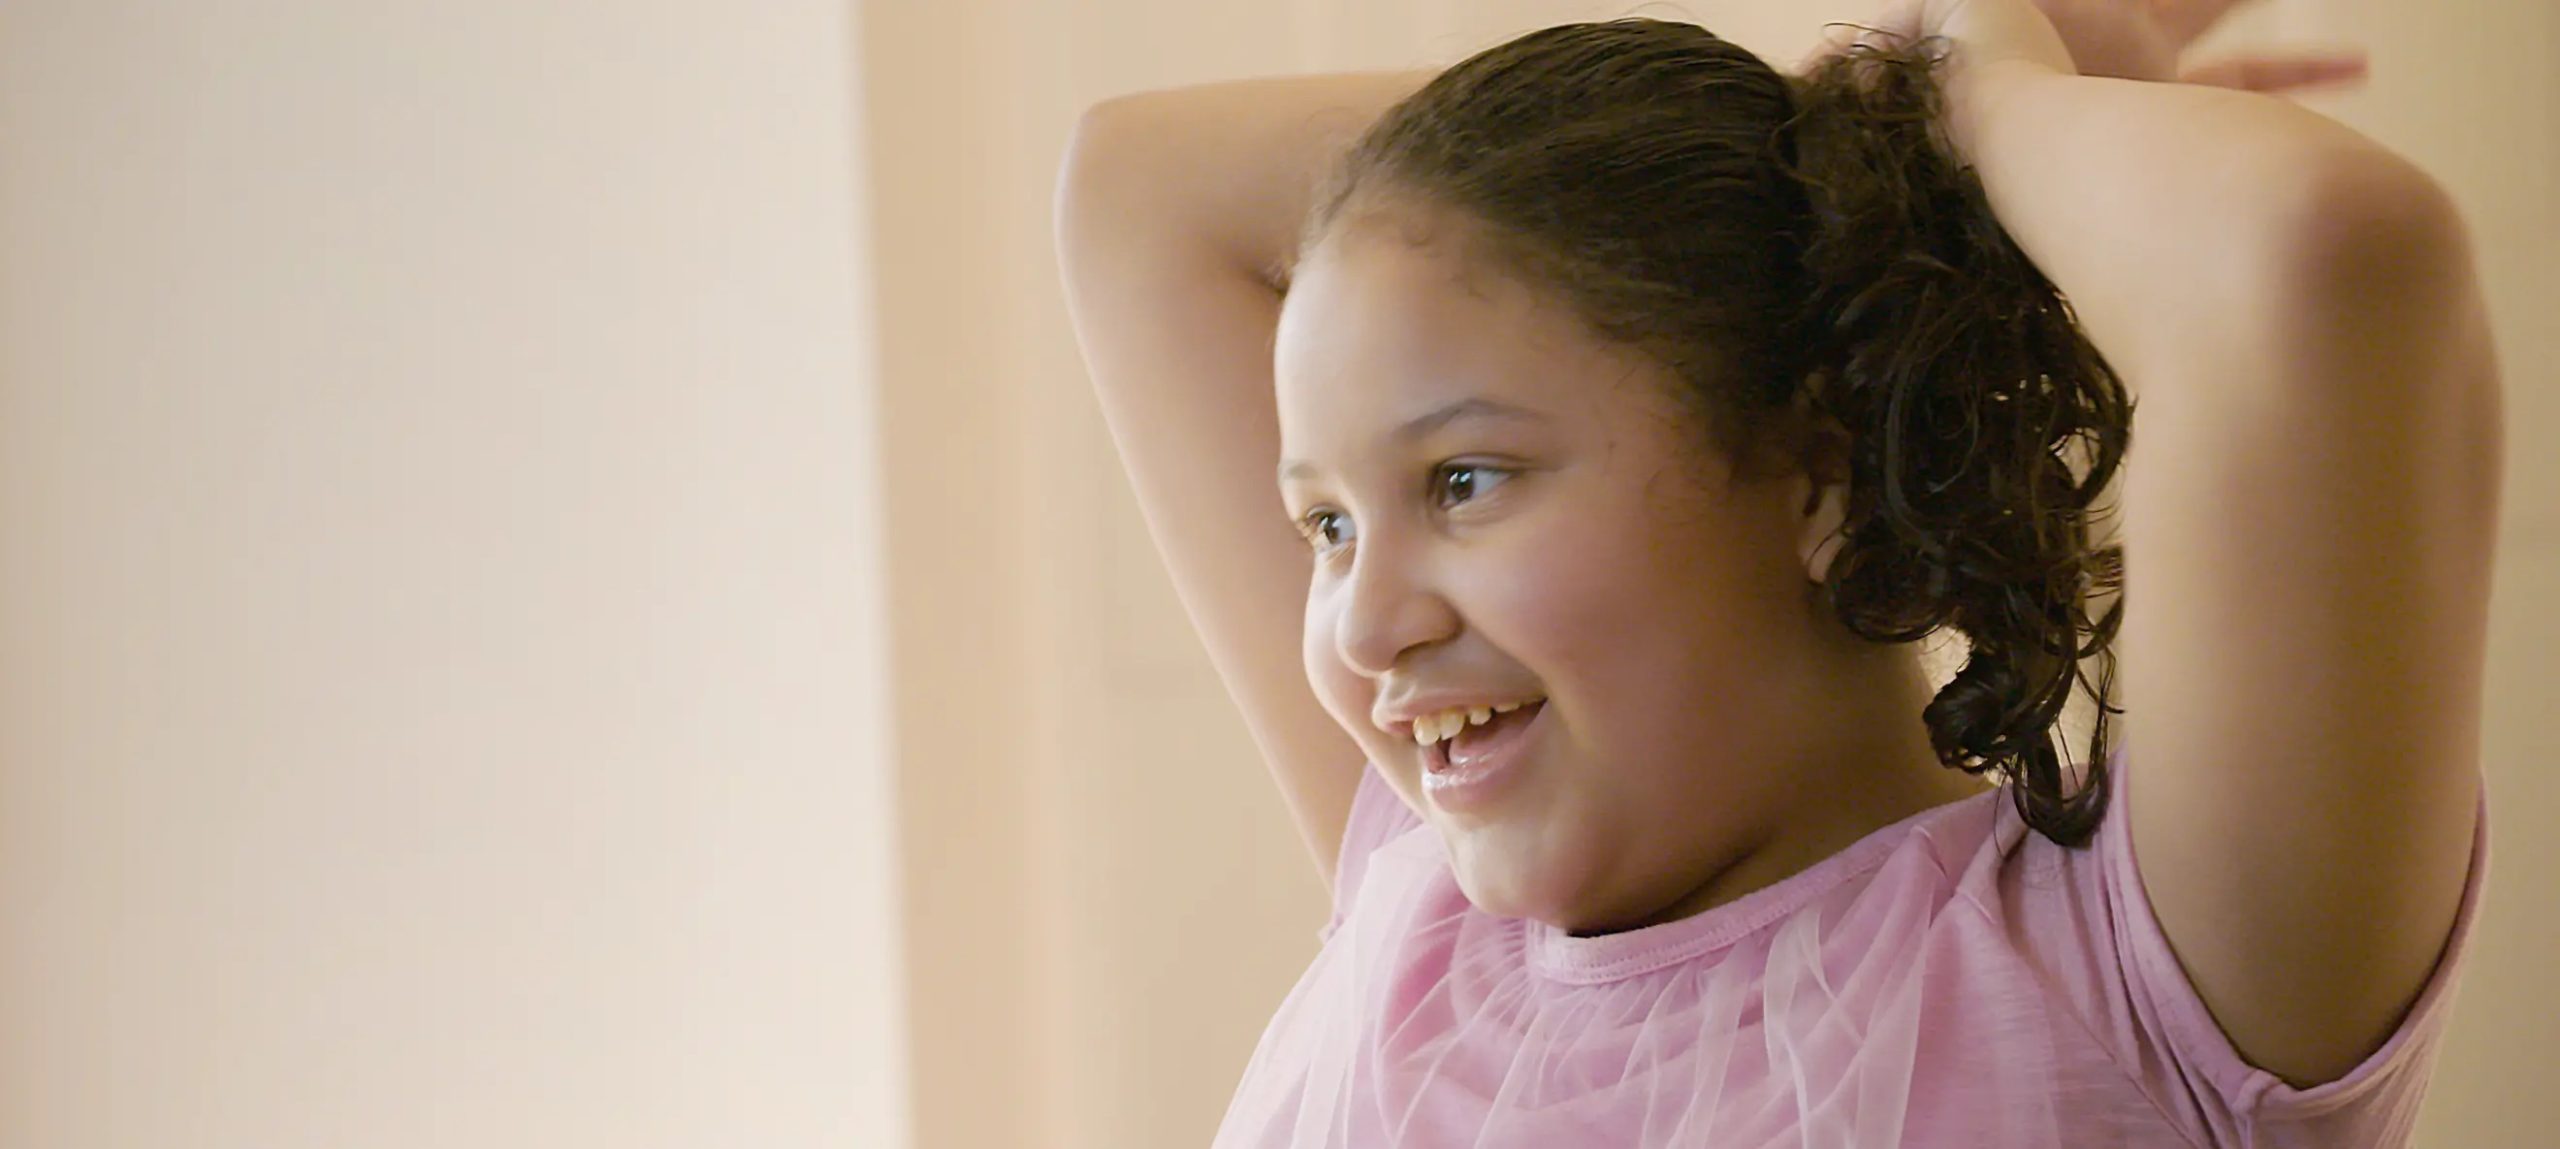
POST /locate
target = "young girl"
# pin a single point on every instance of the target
(1640, 407)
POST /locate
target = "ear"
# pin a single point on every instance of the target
(1821, 489)
(1824, 508)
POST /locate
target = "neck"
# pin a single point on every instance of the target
(1868, 776)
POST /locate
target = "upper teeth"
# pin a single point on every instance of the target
(1446, 724)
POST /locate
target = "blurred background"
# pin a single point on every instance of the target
(561, 585)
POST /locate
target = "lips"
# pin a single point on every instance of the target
(1471, 773)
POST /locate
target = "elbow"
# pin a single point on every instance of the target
(2369, 238)
(2367, 273)
(1105, 167)
(2377, 295)
(1085, 171)
(1119, 186)
(1091, 142)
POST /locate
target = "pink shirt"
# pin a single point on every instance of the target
(1951, 980)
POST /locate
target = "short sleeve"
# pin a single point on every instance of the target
(1378, 817)
(2373, 1104)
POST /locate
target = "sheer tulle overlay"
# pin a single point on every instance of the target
(1949, 980)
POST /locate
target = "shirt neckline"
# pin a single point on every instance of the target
(1560, 956)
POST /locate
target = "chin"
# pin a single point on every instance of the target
(1513, 883)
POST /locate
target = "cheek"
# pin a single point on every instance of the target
(1549, 613)
(1629, 626)
(1345, 694)
(1569, 606)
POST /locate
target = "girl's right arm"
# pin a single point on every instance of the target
(1176, 213)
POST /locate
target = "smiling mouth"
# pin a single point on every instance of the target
(1477, 742)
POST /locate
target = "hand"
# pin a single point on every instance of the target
(2147, 39)
(1977, 32)
(2125, 39)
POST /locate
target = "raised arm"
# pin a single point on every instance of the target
(1175, 212)
(2309, 514)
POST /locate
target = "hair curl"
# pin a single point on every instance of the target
(1807, 255)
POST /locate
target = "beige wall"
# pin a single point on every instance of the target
(1107, 900)
(441, 680)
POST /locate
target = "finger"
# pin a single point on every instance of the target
(1836, 39)
(2280, 73)
(2186, 21)
(1896, 21)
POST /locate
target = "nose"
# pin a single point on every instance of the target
(1387, 609)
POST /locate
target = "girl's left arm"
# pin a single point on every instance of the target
(2309, 521)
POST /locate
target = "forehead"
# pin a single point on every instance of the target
(1380, 324)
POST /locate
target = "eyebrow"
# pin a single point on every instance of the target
(1433, 420)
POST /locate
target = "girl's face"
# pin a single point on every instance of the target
(1503, 509)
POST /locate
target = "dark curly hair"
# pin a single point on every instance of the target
(1807, 255)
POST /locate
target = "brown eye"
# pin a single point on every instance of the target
(1461, 482)
(1325, 529)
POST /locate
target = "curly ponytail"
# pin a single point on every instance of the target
(1807, 256)
(1966, 386)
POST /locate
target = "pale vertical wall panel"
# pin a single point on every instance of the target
(934, 89)
(441, 673)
